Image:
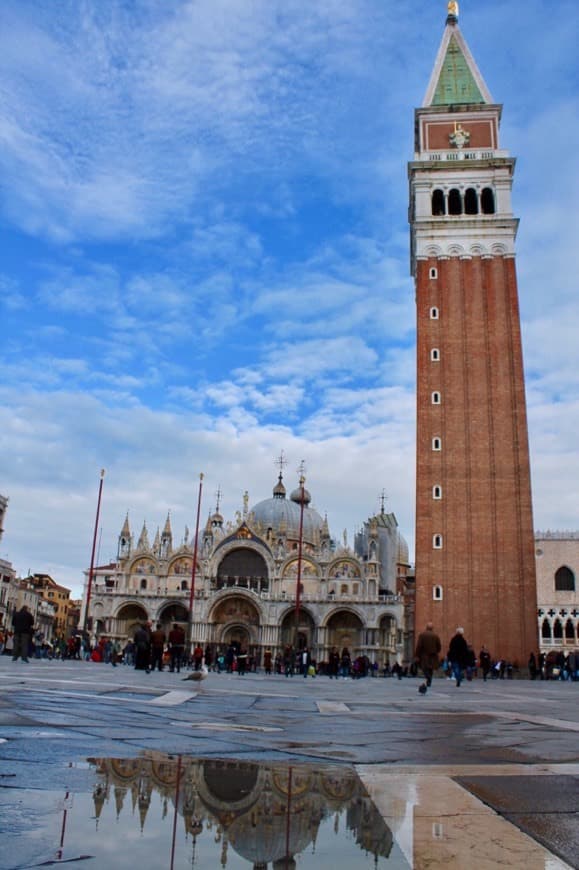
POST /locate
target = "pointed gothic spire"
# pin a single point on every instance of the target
(456, 79)
(143, 543)
(125, 540)
(126, 529)
(167, 528)
(157, 541)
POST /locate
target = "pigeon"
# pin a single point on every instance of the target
(422, 689)
(197, 676)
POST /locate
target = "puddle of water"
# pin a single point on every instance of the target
(161, 811)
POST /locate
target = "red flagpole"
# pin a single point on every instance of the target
(194, 568)
(94, 540)
(299, 571)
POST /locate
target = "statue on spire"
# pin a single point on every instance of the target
(453, 8)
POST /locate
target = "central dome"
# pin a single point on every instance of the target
(282, 516)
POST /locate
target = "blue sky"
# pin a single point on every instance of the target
(204, 255)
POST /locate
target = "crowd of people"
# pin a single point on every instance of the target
(461, 662)
(154, 648)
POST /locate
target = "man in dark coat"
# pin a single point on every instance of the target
(176, 647)
(484, 658)
(427, 652)
(157, 647)
(143, 649)
(458, 655)
(22, 623)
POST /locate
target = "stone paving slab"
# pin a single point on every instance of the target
(58, 713)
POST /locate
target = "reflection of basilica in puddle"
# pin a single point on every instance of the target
(265, 814)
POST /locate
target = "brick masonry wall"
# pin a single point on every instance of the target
(486, 566)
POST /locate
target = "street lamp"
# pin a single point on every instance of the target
(194, 568)
(94, 540)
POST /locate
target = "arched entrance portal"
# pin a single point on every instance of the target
(306, 634)
(128, 618)
(174, 613)
(236, 621)
(345, 630)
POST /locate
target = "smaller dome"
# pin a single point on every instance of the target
(279, 489)
(402, 553)
(296, 496)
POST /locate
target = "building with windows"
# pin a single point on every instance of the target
(7, 573)
(56, 595)
(475, 563)
(247, 577)
(557, 558)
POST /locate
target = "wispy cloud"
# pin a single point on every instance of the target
(205, 253)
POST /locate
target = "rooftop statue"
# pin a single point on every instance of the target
(453, 8)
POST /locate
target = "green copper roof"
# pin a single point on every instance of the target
(456, 83)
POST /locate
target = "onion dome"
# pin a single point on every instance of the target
(279, 489)
(299, 494)
(282, 515)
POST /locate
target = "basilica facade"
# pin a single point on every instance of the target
(246, 583)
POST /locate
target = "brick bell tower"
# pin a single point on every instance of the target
(475, 563)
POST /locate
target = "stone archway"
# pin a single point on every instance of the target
(235, 619)
(173, 613)
(128, 618)
(306, 630)
(244, 568)
(345, 629)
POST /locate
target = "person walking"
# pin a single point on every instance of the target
(143, 649)
(176, 647)
(427, 653)
(458, 655)
(22, 623)
(484, 658)
(157, 647)
(242, 662)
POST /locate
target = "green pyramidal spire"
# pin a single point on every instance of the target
(455, 79)
(456, 83)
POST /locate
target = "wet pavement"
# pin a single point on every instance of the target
(482, 776)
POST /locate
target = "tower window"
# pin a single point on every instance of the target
(564, 580)
(470, 201)
(438, 208)
(437, 542)
(437, 491)
(437, 443)
(434, 313)
(487, 201)
(454, 202)
(436, 398)
(437, 593)
(435, 354)
(433, 272)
